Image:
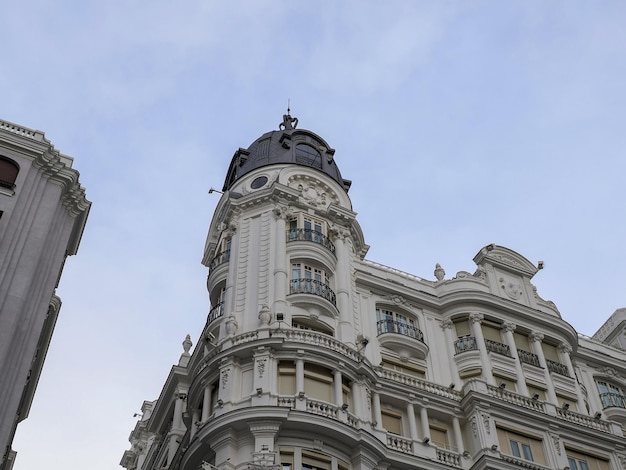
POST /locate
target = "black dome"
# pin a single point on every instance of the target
(288, 145)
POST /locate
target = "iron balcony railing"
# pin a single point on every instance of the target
(7, 184)
(498, 348)
(401, 328)
(528, 358)
(612, 400)
(308, 234)
(313, 286)
(219, 259)
(557, 368)
(216, 312)
(465, 343)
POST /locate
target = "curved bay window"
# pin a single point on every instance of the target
(306, 279)
(392, 322)
(222, 256)
(611, 395)
(8, 173)
(306, 228)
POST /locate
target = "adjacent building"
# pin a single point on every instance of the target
(43, 211)
(313, 357)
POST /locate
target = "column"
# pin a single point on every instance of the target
(564, 351)
(299, 375)
(447, 325)
(337, 387)
(281, 272)
(424, 420)
(410, 411)
(535, 339)
(206, 403)
(178, 427)
(508, 328)
(458, 436)
(195, 417)
(378, 417)
(357, 398)
(475, 319)
(343, 283)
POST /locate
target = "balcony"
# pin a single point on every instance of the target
(614, 406)
(557, 368)
(498, 348)
(465, 343)
(314, 287)
(310, 235)
(528, 358)
(219, 259)
(402, 337)
(215, 313)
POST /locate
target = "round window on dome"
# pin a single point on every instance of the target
(259, 182)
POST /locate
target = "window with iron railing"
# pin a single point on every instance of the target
(392, 322)
(306, 228)
(221, 257)
(465, 343)
(611, 396)
(307, 279)
(557, 368)
(498, 348)
(528, 358)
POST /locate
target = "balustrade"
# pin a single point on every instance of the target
(310, 235)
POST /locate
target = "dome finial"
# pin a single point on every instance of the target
(288, 122)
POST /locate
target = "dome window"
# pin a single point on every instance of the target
(309, 156)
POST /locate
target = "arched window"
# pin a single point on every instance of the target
(309, 156)
(8, 172)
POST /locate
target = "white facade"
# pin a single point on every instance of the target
(43, 212)
(314, 358)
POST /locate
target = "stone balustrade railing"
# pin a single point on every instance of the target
(420, 384)
(399, 443)
(449, 458)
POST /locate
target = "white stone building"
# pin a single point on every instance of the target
(313, 357)
(43, 212)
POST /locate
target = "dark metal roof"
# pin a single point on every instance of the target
(287, 145)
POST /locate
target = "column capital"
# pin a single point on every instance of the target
(476, 317)
(536, 336)
(509, 326)
(446, 324)
(281, 212)
(565, 348)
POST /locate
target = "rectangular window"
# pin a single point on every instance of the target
(286, 378)
(318, 382)
(580, 461)
(439, 436)
(492, 333)
(522, 446)
(392, 421)
(550, 352)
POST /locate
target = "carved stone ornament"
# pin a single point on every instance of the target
(476, 317)
(225, 374)
(265, 315)
(231, 325)
(486, 422)
(260, 364)
(565, 348)
(474, 425)
(480, 273)
(513, 290)
(556, 442)
(446, 323)
(187, 345)
(535, 336)
(397, 299)
(609, 371)
(509, 326)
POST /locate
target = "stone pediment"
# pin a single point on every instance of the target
(505, 259)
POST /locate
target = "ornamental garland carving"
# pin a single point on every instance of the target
(397, 300)
(486, 422)
(225, 374)
(260, 364)
(556, 442)
(474, 426)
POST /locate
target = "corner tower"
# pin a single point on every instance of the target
(283, 238)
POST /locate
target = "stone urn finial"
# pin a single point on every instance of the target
(187, 345)
(439, 272)
(265, 315)
(231, 325)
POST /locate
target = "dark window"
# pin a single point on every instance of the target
(8, 173)
(259, 182)
(307, 155)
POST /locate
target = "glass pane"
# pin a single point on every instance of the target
(528, 455)
(515, 449)
(572, 464)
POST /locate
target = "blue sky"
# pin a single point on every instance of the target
(460, 124)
